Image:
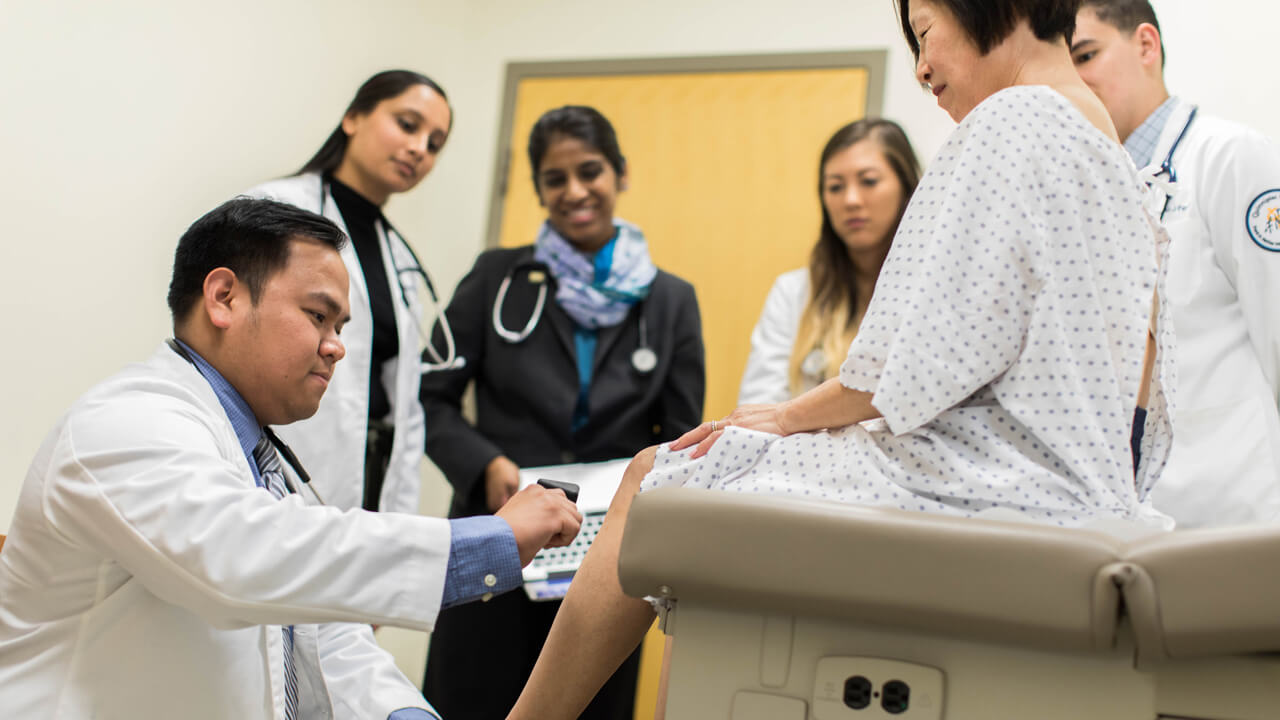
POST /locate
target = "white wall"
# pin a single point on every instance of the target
(124, 121)
(121, 122)
(1222, 54)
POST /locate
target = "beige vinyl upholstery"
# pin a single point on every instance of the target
(1021, 584)
(1204, 593)
(1172, 624)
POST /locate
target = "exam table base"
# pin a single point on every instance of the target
(718, 653)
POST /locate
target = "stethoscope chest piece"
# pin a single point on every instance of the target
(644, 360)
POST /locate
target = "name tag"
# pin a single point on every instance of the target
(1177, 210)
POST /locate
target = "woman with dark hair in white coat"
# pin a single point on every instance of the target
(370, 423)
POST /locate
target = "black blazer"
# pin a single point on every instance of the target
(526, 392)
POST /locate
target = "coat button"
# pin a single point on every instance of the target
(486, 597)
(568, 457)
(490, 580)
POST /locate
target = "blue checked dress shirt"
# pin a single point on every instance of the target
(1141, 143)
(483, 558)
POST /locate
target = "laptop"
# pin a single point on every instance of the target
(549, 575)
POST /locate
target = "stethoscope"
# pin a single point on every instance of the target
(450, 359)
(643, 358)
(1166, 167)
(284, 450)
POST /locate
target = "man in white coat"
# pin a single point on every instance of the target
(162, 562)
(1219, 197)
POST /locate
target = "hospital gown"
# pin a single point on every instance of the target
(1003, 345)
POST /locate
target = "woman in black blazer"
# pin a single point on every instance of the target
(613, 365)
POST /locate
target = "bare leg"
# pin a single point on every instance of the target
(597, 626)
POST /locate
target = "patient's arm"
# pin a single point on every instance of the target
(596, 627)
(830, 405)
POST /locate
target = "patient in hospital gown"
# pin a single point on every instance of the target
(1004, 342)
(1000, 361)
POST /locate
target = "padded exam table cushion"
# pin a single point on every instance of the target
(1187, 593)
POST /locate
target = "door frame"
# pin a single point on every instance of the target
(873, 61)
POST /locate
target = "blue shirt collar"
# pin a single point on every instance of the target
(243, 421)
(1141, 143)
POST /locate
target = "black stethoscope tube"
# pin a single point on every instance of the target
(1166, 167)
(450, 357)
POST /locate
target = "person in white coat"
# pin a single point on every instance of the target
(161, 561)
(1218, 194)
(866, 175)
(366, 442)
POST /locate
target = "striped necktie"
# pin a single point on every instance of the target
(264, 454)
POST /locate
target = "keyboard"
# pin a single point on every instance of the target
(548, 576)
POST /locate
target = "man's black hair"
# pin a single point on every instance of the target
(248, 236)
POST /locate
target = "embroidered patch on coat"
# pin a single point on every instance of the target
(1263, 220)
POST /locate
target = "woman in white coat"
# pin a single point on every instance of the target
(370, 424)
(865, 178)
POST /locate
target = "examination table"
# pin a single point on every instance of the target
(784, 609)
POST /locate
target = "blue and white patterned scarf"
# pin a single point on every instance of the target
(594, 304)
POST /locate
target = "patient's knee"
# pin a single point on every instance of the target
(639, 466)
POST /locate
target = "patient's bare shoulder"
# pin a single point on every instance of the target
(1091, 107)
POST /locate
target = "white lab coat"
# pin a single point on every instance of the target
(146, 576)
(331, 444)
(767, 378)
(1224, 295)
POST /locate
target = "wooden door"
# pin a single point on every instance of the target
(723, 170)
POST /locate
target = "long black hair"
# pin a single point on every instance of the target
(384, 85)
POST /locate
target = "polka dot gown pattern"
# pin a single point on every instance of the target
(1003, 345)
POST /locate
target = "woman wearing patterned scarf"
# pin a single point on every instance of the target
(614, 364)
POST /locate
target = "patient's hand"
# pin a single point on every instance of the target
(828, 406)
(764, 418)
(540, 518)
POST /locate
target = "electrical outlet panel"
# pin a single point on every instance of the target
(866, 688)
